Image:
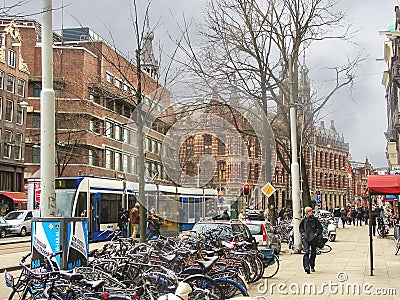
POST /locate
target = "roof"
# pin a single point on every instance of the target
(16, 196)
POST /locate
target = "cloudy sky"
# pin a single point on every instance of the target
(359, 113)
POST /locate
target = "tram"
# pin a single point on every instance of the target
(100, 200)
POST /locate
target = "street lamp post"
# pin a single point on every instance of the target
(47, 120)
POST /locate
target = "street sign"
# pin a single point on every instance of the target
(318, 198)
(268, 189)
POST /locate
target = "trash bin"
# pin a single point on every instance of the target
(69, 235)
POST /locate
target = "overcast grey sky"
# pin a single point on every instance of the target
(359, 113)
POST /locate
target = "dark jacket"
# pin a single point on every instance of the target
(153, 222)
(310, 228)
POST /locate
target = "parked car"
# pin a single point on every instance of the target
(20, 221)
(265, 234)
(229, 229)
(4, 228)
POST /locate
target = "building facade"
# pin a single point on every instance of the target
(14, 75)
(95, 89)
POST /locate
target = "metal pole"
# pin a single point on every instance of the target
(295, 170)
(47, 119)
(371, 251)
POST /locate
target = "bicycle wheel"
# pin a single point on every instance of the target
(231, 288)
(204, 287)
(397, 246)
(327, 248)
(271, 267)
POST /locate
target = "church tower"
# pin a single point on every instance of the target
(148, 60)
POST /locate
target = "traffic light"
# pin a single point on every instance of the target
(246, 189)
(317, 192)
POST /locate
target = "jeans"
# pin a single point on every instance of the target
(336, 221)
(309, 254)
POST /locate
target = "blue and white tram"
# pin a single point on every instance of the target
(100, 199)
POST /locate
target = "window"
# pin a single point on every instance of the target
(126, 164)
(1, 80)
(36, 91)
(117, 161)
(207, 144)
(36, 120)
(10, 83)
(189, 147)
(94, 125)
(93, 158)
(109, 129)
(109, 159)
(118, 132)
(18, 146)
(110, 104)
(11, 58)
(148, 145)
(20, 115)
(118, 107)
(7, 144)
(94, 98)
(21, 87)
(154, 146)
(134, 165)
(126, 88)
(221, 148)
(127, 136)
(35, 154)
(109, 77)
(9, 110)
(118, 83)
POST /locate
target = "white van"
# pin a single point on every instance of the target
(20, 221)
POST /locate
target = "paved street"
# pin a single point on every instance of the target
(349, 260)
(346, 265)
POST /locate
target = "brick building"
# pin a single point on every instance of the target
(95, 99)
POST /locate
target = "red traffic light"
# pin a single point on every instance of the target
(317, 192)
(246, 189)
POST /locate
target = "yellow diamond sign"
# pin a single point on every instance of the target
(268, 189)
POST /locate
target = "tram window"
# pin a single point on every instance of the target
(64, 203)
(81, 208)
(109, 212)
(191, 208)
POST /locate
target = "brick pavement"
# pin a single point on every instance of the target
(348, 260)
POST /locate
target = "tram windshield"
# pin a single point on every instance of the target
(64, 202)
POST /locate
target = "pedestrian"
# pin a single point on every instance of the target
(225, 216)
(153, 224)
(242, 216)
(343, 216)
(360, 215)
(123, 221)
(336, 215)
(272, 215)
(311, 230)
(134, 218)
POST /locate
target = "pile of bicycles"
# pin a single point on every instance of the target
(201, 267)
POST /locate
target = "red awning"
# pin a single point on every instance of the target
(16, 197)
(384, 184)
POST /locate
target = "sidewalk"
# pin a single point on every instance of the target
(344, 273)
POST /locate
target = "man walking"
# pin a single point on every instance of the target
(310, 230)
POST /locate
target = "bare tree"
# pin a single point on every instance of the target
(247, 43)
